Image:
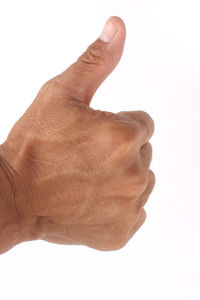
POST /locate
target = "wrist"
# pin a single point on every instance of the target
(10, 227)
(15, 225)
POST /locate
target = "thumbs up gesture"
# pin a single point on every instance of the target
(78, 175)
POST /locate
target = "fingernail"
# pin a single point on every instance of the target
(108, 32)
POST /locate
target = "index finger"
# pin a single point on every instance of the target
(144, 120)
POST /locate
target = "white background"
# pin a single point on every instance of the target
(160, 74)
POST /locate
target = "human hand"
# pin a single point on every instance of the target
(79, 175)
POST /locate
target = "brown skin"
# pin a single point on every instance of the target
(70, 174)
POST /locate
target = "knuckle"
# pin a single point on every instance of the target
(132, 133)
(139, 222)
(135, 184)
(142, 216)
(148, 147)
(48, 85)
(146, 150)
(128, 202)
(128, 134)
(152, 177)
(136, 132)
(118, 243)
(129, 191)
(144, 114)
(147, 119)
(51, 87)
(119, 236)
(141, 181)
(94, 55)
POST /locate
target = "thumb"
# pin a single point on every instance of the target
(82, 79)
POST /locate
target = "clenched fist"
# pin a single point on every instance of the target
(70, 174)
